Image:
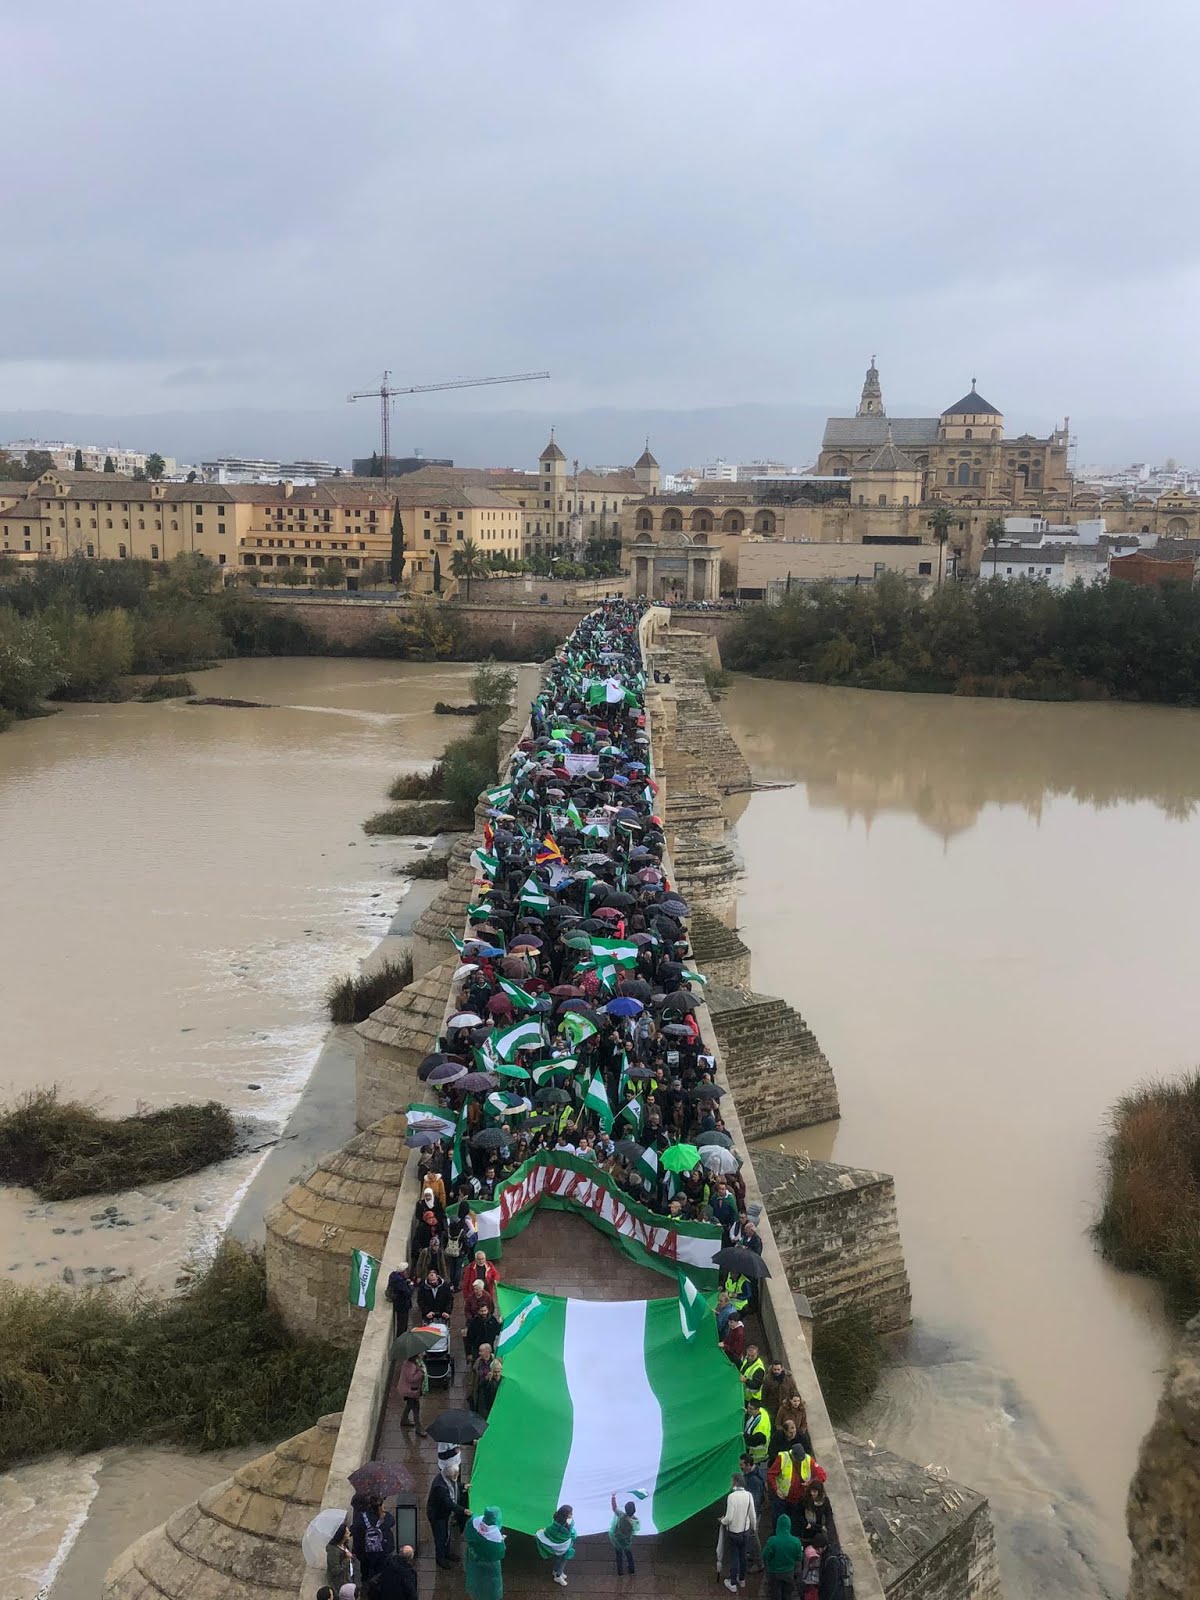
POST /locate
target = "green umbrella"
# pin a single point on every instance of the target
(415, 1342)
(680, 1158)
(508, 1069)
(577, 941)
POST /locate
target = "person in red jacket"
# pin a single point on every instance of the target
(483, 1270)
(788, 1478)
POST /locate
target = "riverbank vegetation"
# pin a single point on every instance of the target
(436, 864)
(354, 999)
(1150, 1220)
(85, 630)
(209, 1370)
(1113, 640)
(61, 1149)
(848, 1357)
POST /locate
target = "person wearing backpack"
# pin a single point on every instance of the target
(837, 1574)
(810, 1571)
(621, 1533)
(373, 1531)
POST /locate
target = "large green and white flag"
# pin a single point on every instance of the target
(693, 1308)
(520, 1321)
(596, 1100)
(364, 1275)
(524, 1035)
(603, 1393)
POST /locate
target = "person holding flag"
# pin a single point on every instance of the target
(556, 1543)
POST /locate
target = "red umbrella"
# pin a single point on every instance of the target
(567, 991)
(608, 911)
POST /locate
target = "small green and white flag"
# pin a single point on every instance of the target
(533, 898)
(485, 864)
(519, 997)
(573, 814)
(543, 1072)
(524, 1035)
(694, 977)
(456, 1150)
(633, 1110)
(577, 1028)
(693, 1308)
(499, 797)
(647, 1166)
(596, 1100)
(623, 951)
(522, 1320)
(455, 940)
(364, 1275)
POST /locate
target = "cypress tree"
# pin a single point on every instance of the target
(396, 564)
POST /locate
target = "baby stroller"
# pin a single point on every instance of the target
(439, 1362)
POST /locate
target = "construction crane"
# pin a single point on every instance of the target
(386, 393)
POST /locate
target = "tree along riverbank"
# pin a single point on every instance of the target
(83, 630)
(1023, 639)
(207, 1370)
(1150, 1221)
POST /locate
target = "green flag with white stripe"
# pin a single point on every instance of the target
(693, 1308)
(603, 1393)
(519, 997)
(525, 1035)
(577, 1028)
(521, 1320)
(596, 1100)
(364, 1275)
(533, 898)
(623, 951)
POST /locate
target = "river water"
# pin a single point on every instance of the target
(986, 912)
(180, 885)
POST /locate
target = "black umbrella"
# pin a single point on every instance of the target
(457, 1427)
(707, 1091)
(675, 906)
(380, 1479)
(629, 1151)
(736, 1262)
(636, 988)
(478, 1082)
(552, 1097)
(677, 1030)
(490, 1139)
(681, 1000)
(715, 1136)
(642, 1072)
(422, 1139)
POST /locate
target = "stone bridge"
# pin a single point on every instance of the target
(830, 1238)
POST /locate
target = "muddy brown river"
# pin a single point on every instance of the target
(180, 884)
(986, 912)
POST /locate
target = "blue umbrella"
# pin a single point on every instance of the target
(624, 1006)
(491, 950)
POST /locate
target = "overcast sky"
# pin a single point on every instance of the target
(668, 203)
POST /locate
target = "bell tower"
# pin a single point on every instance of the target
(871, 400)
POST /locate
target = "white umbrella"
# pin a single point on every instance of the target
(318, 1534)
(717, 1159)
(464, 1019)
(465, 970)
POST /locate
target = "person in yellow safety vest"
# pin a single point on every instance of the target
(752, 1372)
(788, 1477)
(738, 1290)
(757, 1432)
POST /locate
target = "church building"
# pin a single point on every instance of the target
(961, 455)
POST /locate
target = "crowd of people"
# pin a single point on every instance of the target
(575, 1031)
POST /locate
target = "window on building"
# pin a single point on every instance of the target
(122, 553)
(249, 561)
(91, 549)
(924, 568)
(266, 561)
(1048, 571)
(154, 553)
(883, 499)
(964, 473)
(1008, 570)
(967, 433)
(950, 477)
(905, 500)
(976, 478)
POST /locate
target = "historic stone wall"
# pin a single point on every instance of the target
(779, 1072)
(932, 1539)
(839, 1236)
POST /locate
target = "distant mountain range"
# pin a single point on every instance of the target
(601, 436)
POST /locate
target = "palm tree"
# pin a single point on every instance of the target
(940, 522)
(468, 562)
(995, 531)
